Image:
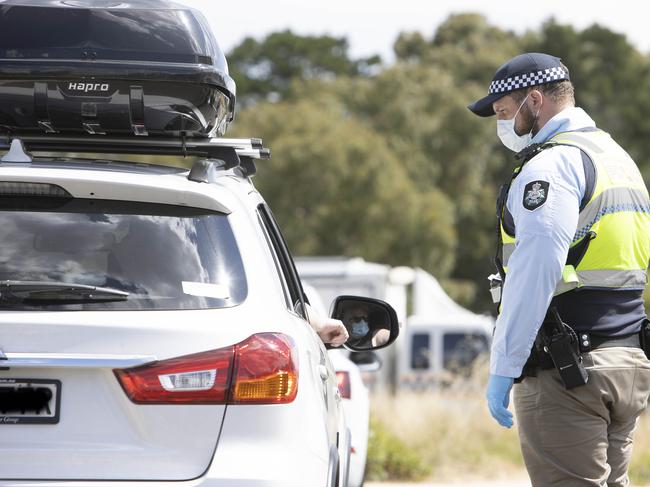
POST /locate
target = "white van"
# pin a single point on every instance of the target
(437, 352)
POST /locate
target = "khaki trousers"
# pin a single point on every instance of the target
(584, 436)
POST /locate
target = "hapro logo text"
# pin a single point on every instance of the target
(89, 87)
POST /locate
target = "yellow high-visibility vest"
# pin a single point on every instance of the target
(616, 219)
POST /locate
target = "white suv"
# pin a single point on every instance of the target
(152, 329)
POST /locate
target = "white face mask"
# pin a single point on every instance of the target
(508, 136)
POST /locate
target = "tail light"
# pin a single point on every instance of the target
(202, 378)
(266, 370)
(343, 381)
(263, 369)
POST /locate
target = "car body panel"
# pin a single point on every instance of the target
(357, 413)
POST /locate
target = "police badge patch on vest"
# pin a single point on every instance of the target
(535, 194)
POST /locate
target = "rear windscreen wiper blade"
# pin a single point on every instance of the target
(58, 291)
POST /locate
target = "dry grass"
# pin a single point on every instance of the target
(453, 433)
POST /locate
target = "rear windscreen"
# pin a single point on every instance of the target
(163, 256)
(111, 34)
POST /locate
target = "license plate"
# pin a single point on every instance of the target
(29, 401)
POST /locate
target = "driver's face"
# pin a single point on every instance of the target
(356, 315)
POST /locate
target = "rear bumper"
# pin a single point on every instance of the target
(240, 466)
(239, 461)
(202, 482)
(244, 480)
(246, 472)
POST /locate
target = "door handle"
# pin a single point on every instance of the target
(337, 394)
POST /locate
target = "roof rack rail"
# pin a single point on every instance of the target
(228, 150)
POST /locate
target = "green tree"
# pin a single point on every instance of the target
(465, 46)
(337, 188)
(265, 69)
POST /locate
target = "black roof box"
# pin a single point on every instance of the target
(138, 67)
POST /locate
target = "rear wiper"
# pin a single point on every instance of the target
(58, 291)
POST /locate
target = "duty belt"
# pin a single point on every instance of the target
(589, 342)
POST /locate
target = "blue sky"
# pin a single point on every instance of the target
(372, 26)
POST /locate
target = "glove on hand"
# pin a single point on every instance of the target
(498, 398)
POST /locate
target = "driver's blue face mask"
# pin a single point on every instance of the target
(360, 328)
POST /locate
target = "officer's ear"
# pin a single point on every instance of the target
(536, 99)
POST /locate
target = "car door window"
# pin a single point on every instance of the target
(284, 259)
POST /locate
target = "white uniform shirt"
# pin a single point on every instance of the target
(543, 237)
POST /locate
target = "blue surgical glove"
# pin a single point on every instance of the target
(498, 398)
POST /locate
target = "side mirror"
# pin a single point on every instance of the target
(367, 361)
(371, 323)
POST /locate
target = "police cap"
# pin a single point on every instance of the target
(530, 69)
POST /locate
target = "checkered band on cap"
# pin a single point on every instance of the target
(530, 79)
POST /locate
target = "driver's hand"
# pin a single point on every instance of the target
(328, 329)
(333, 332)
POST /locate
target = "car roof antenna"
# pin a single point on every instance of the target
(17, 153)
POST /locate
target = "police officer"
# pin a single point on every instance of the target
(574, 238)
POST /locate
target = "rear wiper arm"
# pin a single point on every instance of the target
(57, 291)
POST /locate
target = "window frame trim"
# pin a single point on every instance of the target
(288, 269)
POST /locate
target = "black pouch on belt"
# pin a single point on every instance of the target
(645, 338)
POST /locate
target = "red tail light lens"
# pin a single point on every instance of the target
(343, 381)
(263, 369)
(202, 378)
